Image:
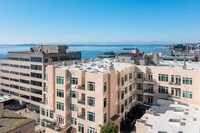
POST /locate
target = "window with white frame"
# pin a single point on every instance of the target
(60, 106)
(91, 116)
(80, 128)
(91, 130)
(187, 81)
(150, 76)
(73, 94)
(187, 94)
(60, 93)
(73, 80)
(73, 120)
(163, 77)
(130, 76)
(42, 111)
(73, 107)
(122, 81)
(176, 92)
(91, 86)
(60, 119)
(139, 75)
(91, 101)
(60, 80)
(163, 89)
(126, 77)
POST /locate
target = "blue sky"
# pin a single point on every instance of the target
(99, 21)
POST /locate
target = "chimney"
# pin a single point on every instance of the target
(184, 65)
(64, 63)
(156, 59)
(1, 109)
(111, 67)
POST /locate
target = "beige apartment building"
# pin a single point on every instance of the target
(84, 96)
(22, 73)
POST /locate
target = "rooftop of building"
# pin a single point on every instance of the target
(102, 66)
(5, 97)
(46, 49)
(189, 65)
(172, 117)
(28, 52)
(98, 66)
(11, 121)
(108, 54)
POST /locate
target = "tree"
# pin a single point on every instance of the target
(112, 128)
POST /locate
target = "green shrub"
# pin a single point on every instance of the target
(112, 128)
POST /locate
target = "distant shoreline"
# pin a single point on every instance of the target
(82, 44)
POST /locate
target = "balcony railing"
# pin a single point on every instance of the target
(173, 96)
(139, 87)
(149, 91)
(81, 102)
(57, 128)
(44, 102)
(45, 89)
(148, 103)
(173, 83)
(46, 78)
(81, 116)
(148, 80)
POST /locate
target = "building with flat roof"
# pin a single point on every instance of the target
(179, 56)
(11, 122)
(86, 95)
(137, 57)
(108, 54)
(22, 73)
(170, 117)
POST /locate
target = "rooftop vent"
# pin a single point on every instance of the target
(182, 123)
(111, 67)
(77, 66)
(185, 104)
(186, 113)
(88, 68)
(175, 120)
(179, 110)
